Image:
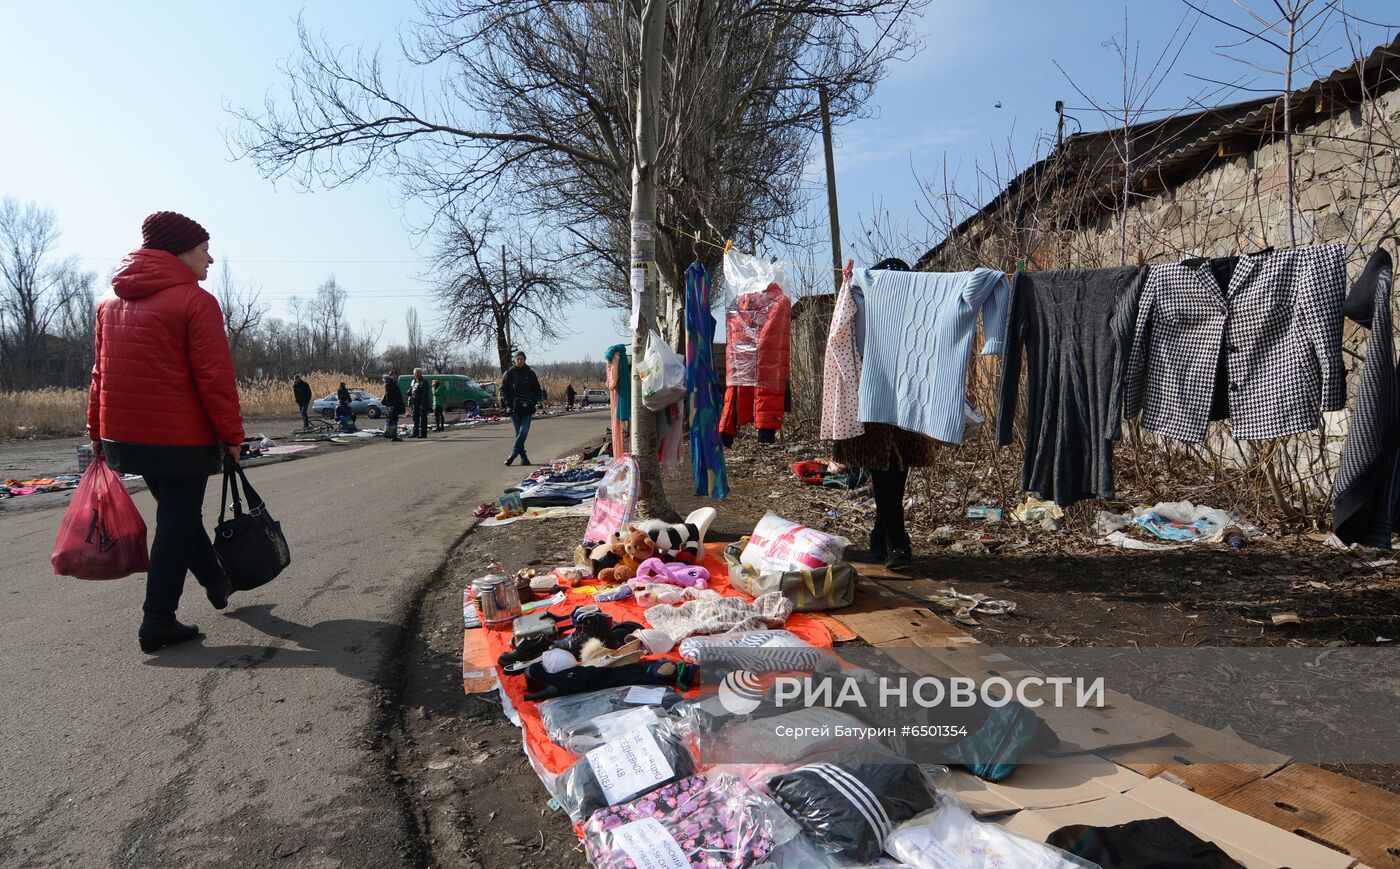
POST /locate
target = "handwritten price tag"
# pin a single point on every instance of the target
(649, 846)
(630, 765)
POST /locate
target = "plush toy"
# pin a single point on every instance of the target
(636, 547)
(601, 557)
(684, 575)
(681, 541)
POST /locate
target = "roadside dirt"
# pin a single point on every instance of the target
(477, 802)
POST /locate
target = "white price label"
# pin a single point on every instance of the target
(630, 765)
(649, 846)
(640, 695)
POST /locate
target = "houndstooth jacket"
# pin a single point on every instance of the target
(1279, 325)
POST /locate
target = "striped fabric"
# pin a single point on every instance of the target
(859, 796)
(706, 451)
(918, 339)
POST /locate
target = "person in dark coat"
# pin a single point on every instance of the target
(342, 394)
(420, 401)
(521, 390)
(301, 391)
(159, 326)
(393, 406)
(569, 395)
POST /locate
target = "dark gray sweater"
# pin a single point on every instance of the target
(1073, 327)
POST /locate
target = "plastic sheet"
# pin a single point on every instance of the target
(704, 821)
(950, 836)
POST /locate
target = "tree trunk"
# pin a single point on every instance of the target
(651, 494)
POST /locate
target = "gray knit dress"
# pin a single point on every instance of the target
(1073, 328)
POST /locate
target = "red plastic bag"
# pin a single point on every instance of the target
(103, 535)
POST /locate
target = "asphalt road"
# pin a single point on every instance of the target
(255, 745)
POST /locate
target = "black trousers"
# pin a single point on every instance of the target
(420, 422)
(181, 544)
(439, 418)
(888, 489)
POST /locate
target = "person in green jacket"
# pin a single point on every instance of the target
(439, 403)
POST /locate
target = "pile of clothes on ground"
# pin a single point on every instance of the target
(604, 674)
(830, 473)
(39, 485)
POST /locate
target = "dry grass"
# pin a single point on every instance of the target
(55, 412)
(35, 412)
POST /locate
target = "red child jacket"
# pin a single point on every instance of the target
(162, 372)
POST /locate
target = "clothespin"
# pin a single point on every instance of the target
(728, 243)
(1142, 258)
(1020, 266)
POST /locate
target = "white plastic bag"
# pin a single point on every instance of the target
(662, 372)
(778, 544)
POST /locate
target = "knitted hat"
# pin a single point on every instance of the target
(172, 232)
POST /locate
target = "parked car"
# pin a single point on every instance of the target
(463, 393)
(361, 402)
(596, 396)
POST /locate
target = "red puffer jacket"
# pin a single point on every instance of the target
(162, 373)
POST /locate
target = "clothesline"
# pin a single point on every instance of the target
(729, 245)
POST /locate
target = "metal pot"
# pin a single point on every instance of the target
(498, 601)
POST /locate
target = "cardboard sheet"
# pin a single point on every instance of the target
(1046, 784)
(1254, 843)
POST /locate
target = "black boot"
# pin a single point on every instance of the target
(525, 461)
(156, 633)
(510, 460)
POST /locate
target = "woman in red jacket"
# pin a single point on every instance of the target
(164, 404)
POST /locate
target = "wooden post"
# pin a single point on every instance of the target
(831, 188)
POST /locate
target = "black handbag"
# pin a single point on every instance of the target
(250, 546)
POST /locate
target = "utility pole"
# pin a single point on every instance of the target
(831, 188)
(651, 495)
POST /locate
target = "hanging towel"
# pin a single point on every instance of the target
(706, 451)
(1073, 327)
(1367, 486)
(918, 338)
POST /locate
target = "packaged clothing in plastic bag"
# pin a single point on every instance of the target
(716, 823)
(850, 804)
(582, 722)
(755, 651)
(757, 322)
(778, 544)
(627, 766)
(949, 837)
(662, 372)
(102, 535)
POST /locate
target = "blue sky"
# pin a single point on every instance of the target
(116, 110)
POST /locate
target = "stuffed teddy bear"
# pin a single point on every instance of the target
(636, 547)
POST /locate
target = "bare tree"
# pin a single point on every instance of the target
(38, 298)
(497, 285)
(1289, 30)
(243, 313)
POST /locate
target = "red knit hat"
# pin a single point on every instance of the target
(172, 232)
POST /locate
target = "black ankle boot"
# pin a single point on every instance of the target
(157, 633)
(899, 558)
